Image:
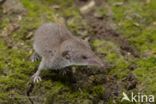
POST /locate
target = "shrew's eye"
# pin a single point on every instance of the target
(84, 57)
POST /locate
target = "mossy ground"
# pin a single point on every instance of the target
(135, 20)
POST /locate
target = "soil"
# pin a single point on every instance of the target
(102, 28)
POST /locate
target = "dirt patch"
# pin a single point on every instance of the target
(130, 81)
(103, 28)
(103, 31)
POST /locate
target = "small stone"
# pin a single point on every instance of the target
(132, 67)
(98, 15)
(29, 35)
(131, 85)
(131, 77)
(118, 4)
(13, 6)
(56, 7)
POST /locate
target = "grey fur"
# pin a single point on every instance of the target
(58, 48)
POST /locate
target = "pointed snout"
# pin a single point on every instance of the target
(97, 62)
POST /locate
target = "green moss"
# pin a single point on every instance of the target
(64, 94)
(113, 56)
(145, 73)
(110, 49)
(56, 88)
(4, 23)
(98, 90)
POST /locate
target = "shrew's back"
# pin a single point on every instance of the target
(49, 37)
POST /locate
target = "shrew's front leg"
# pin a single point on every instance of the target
(35, 57)
(36, 77)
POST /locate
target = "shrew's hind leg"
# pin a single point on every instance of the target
(35, 57)
(36, 77)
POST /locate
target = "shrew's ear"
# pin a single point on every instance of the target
(86, 39)
(66, 54)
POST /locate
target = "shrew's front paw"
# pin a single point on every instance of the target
(35, 57)
(36, 78)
